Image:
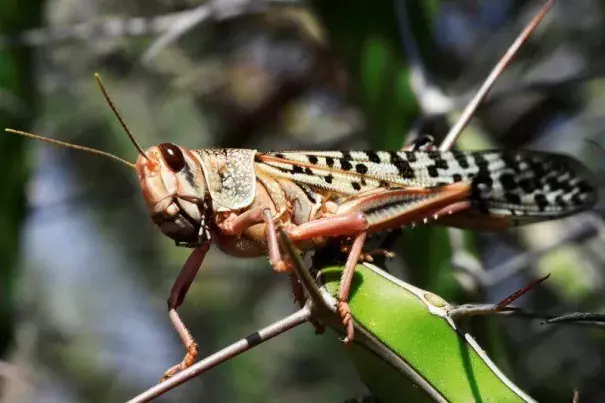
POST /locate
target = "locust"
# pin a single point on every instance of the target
(236, 199)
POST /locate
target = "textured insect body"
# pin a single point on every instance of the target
(219, 195)
(190, 192)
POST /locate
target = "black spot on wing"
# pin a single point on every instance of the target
(373, 157)
(508, 181)
(565, 186)
(296, 169)
(330, 162)
(462, 160)
(434, 154)
(538, 169)
(541, 201)
(328, 178)
(440, 163)
(529, 185)
(481, 163)
(432, 171)
(346, 165)
(403, 167)
(308, 171)
(356, 186)
(361, 169)
(313, 159)
(411, 156)
(554, 184)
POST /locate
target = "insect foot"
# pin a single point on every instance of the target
(281, 267)
(188, 361)
(344, 310)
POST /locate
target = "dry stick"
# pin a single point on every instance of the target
(468, 112)
(502, 306)
(592, 318)
(235, 349)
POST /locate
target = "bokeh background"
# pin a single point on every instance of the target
(84, 274)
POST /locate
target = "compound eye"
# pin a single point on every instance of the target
(173, 156)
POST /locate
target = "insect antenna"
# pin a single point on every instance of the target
(69, 145)
(117, 114)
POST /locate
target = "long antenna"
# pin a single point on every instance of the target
(468, 112)
(69, 145)
(117, 114)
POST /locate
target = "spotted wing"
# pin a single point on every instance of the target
(503, 183)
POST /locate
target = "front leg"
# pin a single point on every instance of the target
(177, 296)
(235, 224)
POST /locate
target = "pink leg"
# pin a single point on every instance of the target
(341, 224)
(272, 244)
(236, 224)
(345, 286)
(177, 295)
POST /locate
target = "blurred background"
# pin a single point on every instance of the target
(85, 274)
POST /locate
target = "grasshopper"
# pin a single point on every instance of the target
(236, 198)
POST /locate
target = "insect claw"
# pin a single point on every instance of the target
(344, 310)
(188, 361)
(281, 266)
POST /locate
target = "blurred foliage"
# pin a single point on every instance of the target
(327, 75)
(17, 109)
